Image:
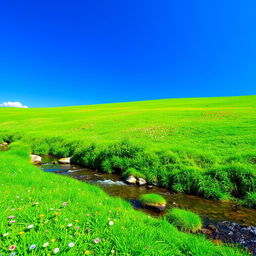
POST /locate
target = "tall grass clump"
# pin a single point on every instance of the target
(250, 200)
(184, 220)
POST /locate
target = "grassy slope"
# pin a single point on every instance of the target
(201, 134)
(29, 194)
(114, 122)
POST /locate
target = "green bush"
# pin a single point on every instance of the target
(152, 199)
(184, 219)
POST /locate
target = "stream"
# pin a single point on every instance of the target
(223, 221)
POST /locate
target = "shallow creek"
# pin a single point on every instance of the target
(225, 221)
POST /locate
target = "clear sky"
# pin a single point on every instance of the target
(62, 53)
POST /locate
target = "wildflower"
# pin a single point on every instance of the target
(30, 226)
(64, 204)
(71, 245)
(21, 233)
(36, 203)
(12, 221)
(19, 208)
(32, 247)
(12, 248)
(111, 223)
(56, 213)
(6, 234)
(87, 252)
(41, 215)
(51, 209)
(112, 251)
(45, 244)
(56, 250)
(70, 225)
(96, 240)
(62, 226)
(13, 209)
(66, 219)
(76, 228)
(76, 221)
(53, 240)
(11, 217)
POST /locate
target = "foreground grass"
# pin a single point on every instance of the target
(68, 217)
(203, 146)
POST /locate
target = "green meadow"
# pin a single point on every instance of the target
(47, 214)
(200, 146)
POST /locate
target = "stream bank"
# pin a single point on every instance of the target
(223, 221)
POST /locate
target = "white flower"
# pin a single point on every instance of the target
(111, 223)
(32, 247)
(6, 234)
(30, 226)
(51, 209)
(70, 225)
(56, 250)
(71, 245)
(45, 244)
(112, 251)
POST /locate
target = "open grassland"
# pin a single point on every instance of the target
(45, 214)
(201, 146)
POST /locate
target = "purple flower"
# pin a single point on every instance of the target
(11, 217)
(64, 204)
(96, 240)
(12, 221)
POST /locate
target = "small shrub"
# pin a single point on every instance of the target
(184, 219)
(152, 199)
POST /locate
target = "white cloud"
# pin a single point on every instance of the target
(13, 104)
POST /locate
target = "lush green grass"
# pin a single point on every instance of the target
(184, 219)
(201, 146)
(250, 200)
(152, 199)
(44, 204)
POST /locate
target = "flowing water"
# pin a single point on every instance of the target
(226, 221)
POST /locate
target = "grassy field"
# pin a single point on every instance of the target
(47, 214)
(201, 146)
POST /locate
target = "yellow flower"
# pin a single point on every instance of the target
(76, 221)
(19, 208)
(87, 252)
(62, 226)
(41, 215)
(56, 213)
(21, 232)
(53, 240)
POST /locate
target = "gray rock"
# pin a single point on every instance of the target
(64, 160)
(141, 182)
(131, 180)
(35, 159)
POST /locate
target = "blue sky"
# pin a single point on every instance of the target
(62, 53)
